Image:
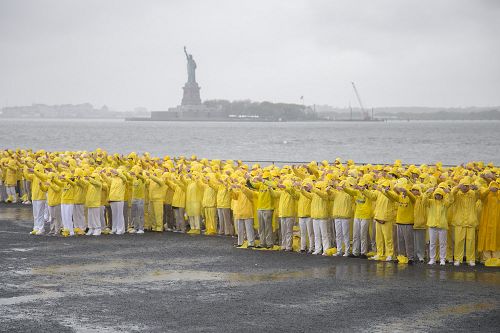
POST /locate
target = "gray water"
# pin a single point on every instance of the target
(452, 142)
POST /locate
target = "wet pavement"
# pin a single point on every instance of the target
(173, 282)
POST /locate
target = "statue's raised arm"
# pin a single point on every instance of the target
(185, 52)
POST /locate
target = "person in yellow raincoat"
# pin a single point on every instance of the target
(54, 202)
(342, 212)
(117, 183)
(384, 215)
(39, 197)
(465, 221)
(11, 179)
(224, 208)
(265, 208)
(287, 213)
(179, 185)
(489, 226)
(404, 219)
(437, 222)
(419, 221)
(305, 221)
(319, 214)
(194, 196)
(209, 204)
(93, 184)
(362, 218)
(243, 213)
(138, 192)
(157, 191)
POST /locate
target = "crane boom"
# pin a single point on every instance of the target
(365, 113)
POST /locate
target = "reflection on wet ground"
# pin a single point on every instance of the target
(174, 271)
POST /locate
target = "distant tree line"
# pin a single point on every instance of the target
(263, 110)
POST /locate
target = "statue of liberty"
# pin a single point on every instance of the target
(191, 67)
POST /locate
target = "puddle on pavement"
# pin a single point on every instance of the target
(46, 294)
(15, 213)
(87, 268)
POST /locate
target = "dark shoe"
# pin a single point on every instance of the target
(251, 246)
(351, 256)
(363, 256)
(410, 262)
(302, 251)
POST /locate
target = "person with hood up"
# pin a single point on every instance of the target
(265, 208)
(54, 193)
(305, 221)
(93, 184)
(343, 213)
(489, 228)
(319, 215)
(404, 219)
(465, 221)
(419, 222)
(437, 222)
(288, 197)
(243, 212)
(157, 191)
(384, 215)
(117, 183)
(138, 196)
(39, 197)
(362, 218)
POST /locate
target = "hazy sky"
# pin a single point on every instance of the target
(129, 53)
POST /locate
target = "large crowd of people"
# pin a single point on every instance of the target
(405, 213)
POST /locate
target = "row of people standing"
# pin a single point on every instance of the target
(391, 210)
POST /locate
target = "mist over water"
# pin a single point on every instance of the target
(452, 142)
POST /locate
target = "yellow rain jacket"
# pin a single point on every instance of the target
(94, 192)
(343, 205)
(244, 199)
(437, 211)
(363, 204)
(194, 196)
(287, 203)
(304, 206)
(223, 197)
(385, 209)
(157, 189)
(117, 187)
(464, 213)
(405, 213)
(489, 227)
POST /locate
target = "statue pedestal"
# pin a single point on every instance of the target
(191, 94)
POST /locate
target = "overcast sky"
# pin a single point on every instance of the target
(126, 54)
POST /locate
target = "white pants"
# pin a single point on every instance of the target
(245, 226)
(306, 233)
(102, 217)
(287, 232)
(94, 215)
(434, 235)
(360, 236)
(79, 216)
(117, 215)
(322, 241)
(38, 210)
(55, 219)
(67, 217)
(11, 191)
(342, 234)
